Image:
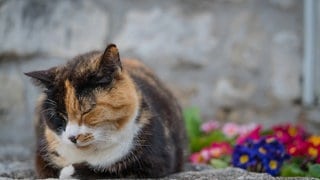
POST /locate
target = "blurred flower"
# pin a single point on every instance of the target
(220, 149)
(297, 147)
(246, 128)
(209, 126)
(272, 166)
(230, 129)
(254, 134)
(200, 157)
(196, 158)
(266, 153)
(260, 151)
(243, 157)
(216, 150)
(315, 140)
(287, 132)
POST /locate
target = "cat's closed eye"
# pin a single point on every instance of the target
(56, 122)
(98, 79)
(104, 80)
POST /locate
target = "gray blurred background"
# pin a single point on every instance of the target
(237, 60)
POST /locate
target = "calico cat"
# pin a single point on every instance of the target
(100, 117)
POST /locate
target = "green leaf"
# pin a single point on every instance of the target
(226, 158)
(198, 143)
(193, 122)
(267, 132)
(314, 170)
(291, 170)
(218, 163)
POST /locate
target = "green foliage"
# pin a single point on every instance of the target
(314, 170)
(198, 143)
(291, 170)
(219, 163)
(193, 122)
(198, 140)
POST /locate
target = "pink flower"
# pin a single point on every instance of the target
(205, 154)
(220, 149)
(196, 158)
(209, 126)
(200, 157)
(230, 129)
(247, 128)
(216, 150)
(254, 134)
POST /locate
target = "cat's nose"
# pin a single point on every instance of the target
(73, 139)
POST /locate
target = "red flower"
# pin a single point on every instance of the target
(288, 133)
(253, 135)
(220, 149)
(297, 147)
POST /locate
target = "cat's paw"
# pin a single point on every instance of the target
(67, 172)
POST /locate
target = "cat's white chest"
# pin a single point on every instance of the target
(103, 153)
(96, 157)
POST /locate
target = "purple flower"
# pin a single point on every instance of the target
(243, 157)
(272, 166)
(265, 154)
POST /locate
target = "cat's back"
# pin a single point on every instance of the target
(166, 116)
(152, 88)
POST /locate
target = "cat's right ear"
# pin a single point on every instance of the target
(44, 77)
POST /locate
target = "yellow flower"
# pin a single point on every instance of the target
(292, 131)
(315, 140)
(312, 151)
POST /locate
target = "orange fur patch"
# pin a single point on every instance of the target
(117, 105)
(72, 103)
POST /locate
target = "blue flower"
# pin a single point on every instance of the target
(272, 166)
(265, 155)
(269, 148)
(243, 157)
(272, 154)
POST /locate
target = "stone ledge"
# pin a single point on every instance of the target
(19, 170)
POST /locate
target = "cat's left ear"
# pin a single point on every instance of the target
(43, 77)
(111, 58)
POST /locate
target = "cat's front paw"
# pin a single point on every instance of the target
(67, 172)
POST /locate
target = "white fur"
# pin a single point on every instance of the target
(74, 130)
(66, 172)
(109, 146)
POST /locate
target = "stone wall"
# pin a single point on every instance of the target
(238, 60)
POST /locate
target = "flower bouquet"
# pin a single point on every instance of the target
(283, 150)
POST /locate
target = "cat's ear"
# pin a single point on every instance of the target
(44, 77)
(111, 58)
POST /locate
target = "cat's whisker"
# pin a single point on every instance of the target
(45, 110)
(50, 102)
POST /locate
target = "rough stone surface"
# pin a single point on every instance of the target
(240, 55)
(226, 174)
(58, 28)
(18, 170)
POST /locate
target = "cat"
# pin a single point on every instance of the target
(102, 117)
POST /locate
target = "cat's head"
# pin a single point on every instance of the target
(89, 101)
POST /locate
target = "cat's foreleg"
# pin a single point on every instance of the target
(67, 172)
